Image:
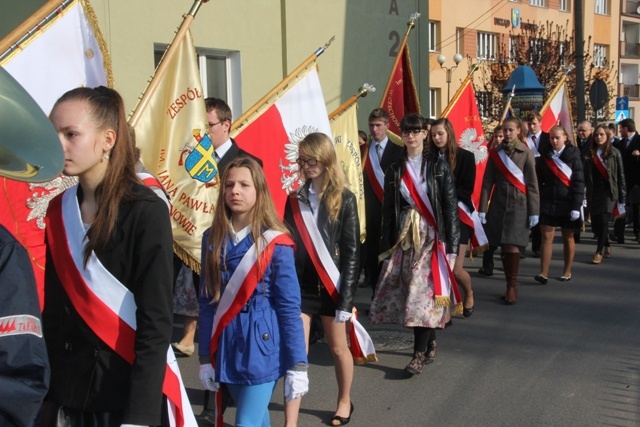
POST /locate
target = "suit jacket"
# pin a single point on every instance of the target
(88, 375)
(464, 176)
(234, 152)
(373, 207)
(630, 163)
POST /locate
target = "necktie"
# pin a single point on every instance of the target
(215, 156)
(534, 140)
(379, 152)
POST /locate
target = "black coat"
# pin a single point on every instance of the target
(631, 163)
(234, 151)
(556, 199)
(87, 374)
(441, 191)
(464, 176)
(342, 238)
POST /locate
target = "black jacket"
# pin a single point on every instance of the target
(442, 195)
(342, 238)
(86, 374)
(464, 176)
(556, 199)
(230, 155)
(631, 163)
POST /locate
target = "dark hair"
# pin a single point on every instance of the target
(408, 123)
(220, 107)
(379, 114)
(107, 112)
(629, 124)
(452, 146)
(362, 134)
(531, 115)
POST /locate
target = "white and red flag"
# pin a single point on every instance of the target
(60, 55)
(557, 111)
(273, 133)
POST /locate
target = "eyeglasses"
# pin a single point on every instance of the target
(310, 162)
(414, 132)
(216, 123)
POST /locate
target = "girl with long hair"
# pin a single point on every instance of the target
(511, 186)
(606, 189)
(107, 316)
(332, 213)
(462, 164)
(420, 229)
(250, 328)
(561, 184)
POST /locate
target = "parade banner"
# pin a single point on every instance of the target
(172, 134)
(58, 48)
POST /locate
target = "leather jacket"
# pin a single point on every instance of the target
(342, 239)
(442, 194)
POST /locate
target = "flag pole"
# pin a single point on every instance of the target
(556, 89)
(164, 62)
(458, 93)
(241, 121)
(362, 92)
(508, 106)
(412, 23)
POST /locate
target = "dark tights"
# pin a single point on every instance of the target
(600, 227)
(422, 337)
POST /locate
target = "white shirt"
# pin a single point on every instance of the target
(237, 237)
(313, 201)
(222, 150)
(557, 153)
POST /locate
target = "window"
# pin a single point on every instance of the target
(434, 96)
(563, 51)
(537, 3)
(536, 50)
(513, 48)
(433, 36)
(220, 74)
(600, 55)
(563, 6)
(486, 107)
(487, 45)
(601, 7)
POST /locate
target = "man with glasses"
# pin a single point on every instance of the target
(380, 154)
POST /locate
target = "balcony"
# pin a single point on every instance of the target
(631, 7)
(632, 91)
(630, 50)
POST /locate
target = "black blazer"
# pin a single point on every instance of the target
(234, 152)
(464, 176)
(630, 163)
(85, 373)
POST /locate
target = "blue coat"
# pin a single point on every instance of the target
(266, 338)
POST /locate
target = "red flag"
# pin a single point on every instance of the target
(557, 111)
(273, 136)
(400, 96)
(462, 111)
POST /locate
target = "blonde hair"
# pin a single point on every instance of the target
(319, 146)
(263, 217)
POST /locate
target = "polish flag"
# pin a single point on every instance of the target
(274, 134)
(557, 111)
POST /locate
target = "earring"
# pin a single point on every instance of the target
(106, 156)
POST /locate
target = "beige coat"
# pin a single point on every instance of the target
(509, 209)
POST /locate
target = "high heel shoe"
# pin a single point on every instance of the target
(337, 420)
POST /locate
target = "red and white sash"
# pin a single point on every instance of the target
(509, 169)
(560, 169)
(445, 289)
(362, 347)
(149, 180)
(374, 171)
(478, 238)
(532, 146)
(243, 283)
(618, 210)
(105, 304)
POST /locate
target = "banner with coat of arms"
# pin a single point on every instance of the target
(171, 133)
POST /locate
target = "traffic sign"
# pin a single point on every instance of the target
(621, 115)
(622, 103)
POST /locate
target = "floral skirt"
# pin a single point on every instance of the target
(405, 291)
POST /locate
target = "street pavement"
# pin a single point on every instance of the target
(567, 354)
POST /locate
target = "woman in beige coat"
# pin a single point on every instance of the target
(509, 202)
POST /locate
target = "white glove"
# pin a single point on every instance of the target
(483, 217)
(451, 259)
(621, 209)
(296, 385)
(533, 220)
(208, 377)
(342, 316)
(575, 215)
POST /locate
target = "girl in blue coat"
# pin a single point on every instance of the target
(251, 332)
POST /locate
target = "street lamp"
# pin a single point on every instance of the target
(457, 58)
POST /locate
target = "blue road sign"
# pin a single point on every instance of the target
(622, 108)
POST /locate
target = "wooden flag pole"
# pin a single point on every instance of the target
(555, 90)
(164, 63)
(31, 24)
(362, 92)
(506, 108)
(264, 101)
(412, 23)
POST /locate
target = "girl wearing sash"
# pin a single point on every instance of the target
(462, 165)
(606, 190)
(561, 185)
(250, 328)
(108, 280)
(335, 214)
(511, 185)
(419, 221)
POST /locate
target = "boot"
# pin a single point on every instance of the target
(487, 263)
(511, 262)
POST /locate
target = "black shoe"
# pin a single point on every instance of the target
(207, 418)
(467, 312)
(340, 421)
(485, 271)
(536, 254)
(540, 279)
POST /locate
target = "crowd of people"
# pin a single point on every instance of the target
(109, 293)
